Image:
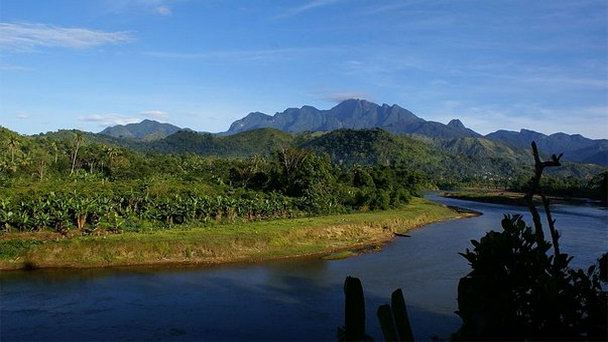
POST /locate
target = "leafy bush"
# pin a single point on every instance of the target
(516, 291)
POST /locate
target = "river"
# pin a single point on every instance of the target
(286, 300)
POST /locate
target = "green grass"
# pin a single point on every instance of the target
(505, 197)
(221, 243)
(491, 196)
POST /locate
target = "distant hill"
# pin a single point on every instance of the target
(147, 130)
(575, 147)
(483, 148)
(446, 161)
(367, 147)
(261, 141)
(354, 114)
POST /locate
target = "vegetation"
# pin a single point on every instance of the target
(523, 293)
(517, 291)
(560, 189)
(213, 243)
(89, 187)
(74, 199)
(71, 185)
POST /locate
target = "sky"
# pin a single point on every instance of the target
(540, 65)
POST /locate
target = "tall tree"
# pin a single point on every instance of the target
(13, 143)
(55, 150)
(78, 139)
(111, 153)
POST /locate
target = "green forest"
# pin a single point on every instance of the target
(78, 182)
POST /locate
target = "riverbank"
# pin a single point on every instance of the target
(222, 243)
(509, 197)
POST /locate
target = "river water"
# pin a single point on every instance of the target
(287, 300)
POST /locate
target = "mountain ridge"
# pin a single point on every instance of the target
(350, 114)
(362, 114)
(575, 147)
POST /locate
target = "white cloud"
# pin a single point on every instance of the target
(155, 114)
(160, 7)
(113, 119)
(110, 119)
(12, 67)
(262, 55)
(163, 10)
(309, 5)
(26, 37)
(339, 96)
(22, 116)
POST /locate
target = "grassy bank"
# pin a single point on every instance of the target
(220, 243)
(508, 197)
(489, 196)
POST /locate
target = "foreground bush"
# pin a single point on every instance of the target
(518, 291)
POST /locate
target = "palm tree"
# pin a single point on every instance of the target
(13, 143)
(77, 141)
(112, 153)
(55, 150)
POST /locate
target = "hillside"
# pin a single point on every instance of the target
(445, 161)
(575, 147)
(261, 141)
(483, 148)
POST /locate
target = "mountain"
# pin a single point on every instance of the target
(147, 130)
(353, 114)
(575, 147)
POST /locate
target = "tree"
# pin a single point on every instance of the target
(78, 139)
(111, 154)
(13, 144)
(41, 158)
(55, 149)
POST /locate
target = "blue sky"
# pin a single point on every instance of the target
(202, 64)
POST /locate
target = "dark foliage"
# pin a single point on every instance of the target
(518, 291)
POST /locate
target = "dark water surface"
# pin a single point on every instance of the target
(295, 300)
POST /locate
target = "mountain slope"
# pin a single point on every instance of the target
(147, 130)
(260, 141)
(575, 147)
(353, 114)
(484, 148)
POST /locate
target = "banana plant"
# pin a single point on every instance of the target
(60, 213)
(6, 214)
(80, 208)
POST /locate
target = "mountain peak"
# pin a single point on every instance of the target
(529, 131)
(354, 103)
(456, 123)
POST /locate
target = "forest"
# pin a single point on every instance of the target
(76, 182)
(69, 185)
